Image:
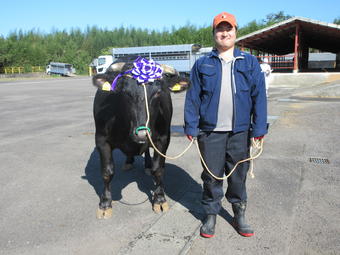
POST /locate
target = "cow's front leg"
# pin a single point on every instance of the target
(107, 170)
(159, 201)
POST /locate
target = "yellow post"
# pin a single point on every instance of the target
(90, 70)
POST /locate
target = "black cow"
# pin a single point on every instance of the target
(120, 118)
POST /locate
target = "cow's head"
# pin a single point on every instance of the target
(131, 95)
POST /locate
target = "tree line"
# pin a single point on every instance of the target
(77, 47)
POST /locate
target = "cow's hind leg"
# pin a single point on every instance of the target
(107, 170)
(147, 162)
(128, 163)
(159, 201)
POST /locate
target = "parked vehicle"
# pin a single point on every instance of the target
(62, 69)
(103, 62)
(181, 56)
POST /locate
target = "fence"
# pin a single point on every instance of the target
(21, 69)
(280, 63)
(38, 69)
(14, 69)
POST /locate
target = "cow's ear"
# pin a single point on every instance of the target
(182, 85)
(99, 80)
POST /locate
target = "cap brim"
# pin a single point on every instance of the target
(226, 22)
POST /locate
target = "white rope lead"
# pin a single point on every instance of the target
(148, 133)
(255, 144)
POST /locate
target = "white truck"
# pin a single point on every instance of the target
(103, 63)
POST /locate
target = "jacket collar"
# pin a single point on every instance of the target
(237, 53)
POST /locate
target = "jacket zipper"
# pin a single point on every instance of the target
(233, 87)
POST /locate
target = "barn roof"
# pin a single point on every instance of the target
(279, 38)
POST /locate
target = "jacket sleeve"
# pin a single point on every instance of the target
(192, 103)
(259, 100)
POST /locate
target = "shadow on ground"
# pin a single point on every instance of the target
(226, 215)
(177, 181)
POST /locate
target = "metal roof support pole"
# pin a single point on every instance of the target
(304, 55)
(337, 63)
(296, 48)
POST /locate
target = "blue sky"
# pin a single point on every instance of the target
(65, 14)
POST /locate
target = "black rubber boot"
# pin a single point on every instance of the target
(239, 221)
(208, 228)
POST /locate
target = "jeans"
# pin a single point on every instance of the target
(221, 151)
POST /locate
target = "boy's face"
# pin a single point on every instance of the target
(225, 36)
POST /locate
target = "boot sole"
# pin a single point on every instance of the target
(242, 234)
(246, 234)
(206, 235)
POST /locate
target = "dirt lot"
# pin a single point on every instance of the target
(50, 181)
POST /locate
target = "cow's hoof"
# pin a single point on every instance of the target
(104, 214)
(157, 208)
(165, 207)
(147, 171)
(127, 167)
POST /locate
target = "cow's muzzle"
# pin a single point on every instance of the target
(141, 133)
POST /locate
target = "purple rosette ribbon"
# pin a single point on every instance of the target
(146, 70)
(143, 71)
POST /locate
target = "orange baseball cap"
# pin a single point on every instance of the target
(224, 17)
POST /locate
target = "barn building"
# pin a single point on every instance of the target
(287, 44)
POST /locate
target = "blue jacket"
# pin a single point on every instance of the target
(249, 95)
